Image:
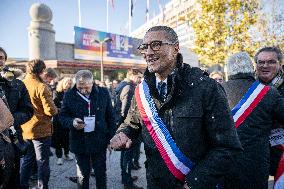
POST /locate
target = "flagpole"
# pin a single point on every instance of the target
(107, 16)
(147, 16)
(161, 11)
(129, 17)
(79, 9)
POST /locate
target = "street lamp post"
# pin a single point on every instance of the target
(106, 40)
(102, 60)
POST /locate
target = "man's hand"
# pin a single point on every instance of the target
(186, 187)
(109, 149)
(120, 140)
(78, 123)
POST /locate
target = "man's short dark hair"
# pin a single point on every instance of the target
(50, 72)
(171, 34)
(270, 49)
(4, 52)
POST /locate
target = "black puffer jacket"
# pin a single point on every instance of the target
(19, 101)
(21, 108)
(198, 118)
(252, 167)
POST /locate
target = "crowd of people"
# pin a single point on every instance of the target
(199, 131)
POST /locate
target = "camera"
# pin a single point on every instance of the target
(18, 140)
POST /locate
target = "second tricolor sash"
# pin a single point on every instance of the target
(249, 101)
(279, 177)
(178, 164)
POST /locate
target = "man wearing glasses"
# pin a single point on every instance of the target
(270, 72)
(184, 117)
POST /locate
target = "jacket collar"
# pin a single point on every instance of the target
(279, 79)
(33, 76)
(5, 83)
(94, 97)
(94, 92)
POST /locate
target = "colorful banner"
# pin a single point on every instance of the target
(122, 49)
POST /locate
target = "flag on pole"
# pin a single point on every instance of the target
(131, 13)
(147, 11)
(161, 10)
(112, 4)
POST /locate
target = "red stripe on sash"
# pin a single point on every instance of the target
(252, 106)
(177, 173)
(280, 168)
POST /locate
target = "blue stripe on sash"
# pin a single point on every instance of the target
(245, 97)
(181, 157)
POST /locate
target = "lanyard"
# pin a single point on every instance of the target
(87, 100)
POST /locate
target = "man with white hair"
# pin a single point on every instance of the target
(254, 107)
(88, 112)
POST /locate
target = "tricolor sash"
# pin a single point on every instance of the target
(249, 101)
(277, 141)
(279, 177)
(178, 164)
(243, 109)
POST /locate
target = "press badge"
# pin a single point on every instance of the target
(90, 124)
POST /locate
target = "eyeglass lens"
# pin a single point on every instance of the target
(269, 62)
(154, 45)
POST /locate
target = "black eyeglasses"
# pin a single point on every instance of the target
(154, 45)
(2, 58)
(269, 62)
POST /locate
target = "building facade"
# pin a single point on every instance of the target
(174, 15)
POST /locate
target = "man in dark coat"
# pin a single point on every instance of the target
(17, 97)
(190, 108)
(252, 167)
(88, 112)
(124, 94)
(270, 72)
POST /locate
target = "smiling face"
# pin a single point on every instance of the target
(267, 66)
(163, 60)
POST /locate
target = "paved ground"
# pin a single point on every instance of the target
(58, 176)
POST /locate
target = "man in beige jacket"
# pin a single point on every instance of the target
(39, 129)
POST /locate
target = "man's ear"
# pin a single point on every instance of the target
(177, 47)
